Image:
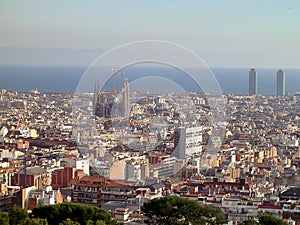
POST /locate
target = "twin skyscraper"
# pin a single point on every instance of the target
(280, 82)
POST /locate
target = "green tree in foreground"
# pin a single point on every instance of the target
(17, 215)
(265, 219)
(175, 210)
(250, 222)
(35, 221)
(69, 222)
(4, 218)
(60, 214)
(70, 213)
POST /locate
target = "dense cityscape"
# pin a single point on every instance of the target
(120, 149)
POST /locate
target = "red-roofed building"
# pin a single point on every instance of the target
(116, 191)
(94, 190)
(88, 190)
(234, 188)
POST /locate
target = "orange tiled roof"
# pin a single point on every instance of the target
(116, 184)
(92, 179)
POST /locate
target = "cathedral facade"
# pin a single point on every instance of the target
(110, 104)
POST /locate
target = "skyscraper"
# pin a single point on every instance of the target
(280, 81)
(252, 82)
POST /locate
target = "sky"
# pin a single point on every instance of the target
(232, 33)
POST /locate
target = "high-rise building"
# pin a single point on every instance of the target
(126, 99)
(280, 81)
(252, 82)
(187, 142)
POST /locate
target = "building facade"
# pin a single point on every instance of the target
(116, 191)
(280, 83)
(187, 142)
(35, 176)
(252, 82)
(110, 103)
(88, 190)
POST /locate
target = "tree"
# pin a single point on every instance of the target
(266, 219)
(98, 222)
(4, 218)
(56, 214)
(69, 222)
(35, 221)
(176, 211)
(213, 215)
(89, 222)
(17, 215)
(250, 222)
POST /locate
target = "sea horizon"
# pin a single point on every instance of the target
(65, 79)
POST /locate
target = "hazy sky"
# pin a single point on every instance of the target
(239, 33)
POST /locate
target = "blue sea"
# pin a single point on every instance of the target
(64, 79)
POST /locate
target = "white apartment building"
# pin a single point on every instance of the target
(187, 142)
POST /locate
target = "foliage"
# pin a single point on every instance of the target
(98, 222)
(17, 215)
(35, 221)
(264, 219)
(69, 222)
(80, 213)
(4, 218)
(250, 222)
(181, 211)
(76, 214)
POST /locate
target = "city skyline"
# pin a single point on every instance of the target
(125, 106)
(280, 82)
(231, 80)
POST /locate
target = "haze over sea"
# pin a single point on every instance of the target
(64, 79)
